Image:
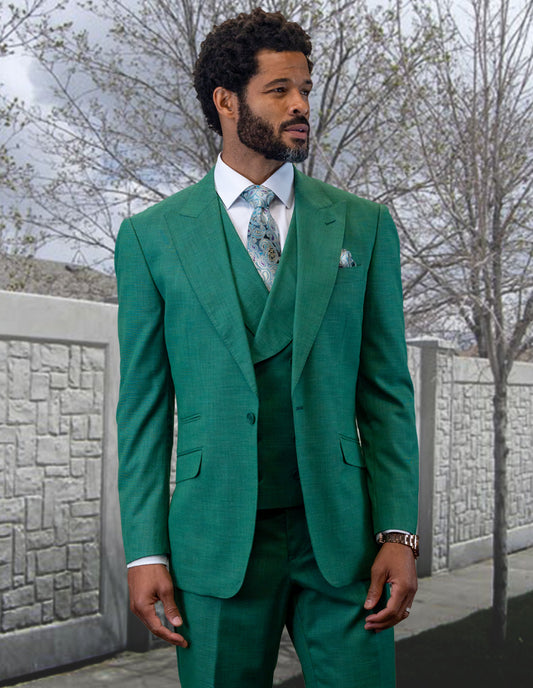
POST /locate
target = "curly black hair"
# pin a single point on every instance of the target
(228, 54)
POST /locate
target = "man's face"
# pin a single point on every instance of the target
(274, 109)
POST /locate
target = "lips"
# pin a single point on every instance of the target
(298, 131)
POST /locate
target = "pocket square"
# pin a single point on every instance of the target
(346, 260)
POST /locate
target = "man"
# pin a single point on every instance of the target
(269, 305)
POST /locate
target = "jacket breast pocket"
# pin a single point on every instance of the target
(352, 453)
(188, 464)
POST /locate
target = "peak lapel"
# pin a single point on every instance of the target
(198, 236)
(320, 224)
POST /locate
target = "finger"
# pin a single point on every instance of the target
(150, 619)
(375, 590)
(390, 615)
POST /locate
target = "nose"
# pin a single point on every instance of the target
(299, 105)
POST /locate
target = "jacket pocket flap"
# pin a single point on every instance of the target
(188, 464)
(352, 452)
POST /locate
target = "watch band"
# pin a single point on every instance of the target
(409, 539)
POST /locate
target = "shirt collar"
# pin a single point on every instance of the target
(229, 184)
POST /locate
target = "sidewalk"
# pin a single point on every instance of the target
(441, 599)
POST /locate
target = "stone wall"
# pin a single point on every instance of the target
(456, 457)
(62, 587)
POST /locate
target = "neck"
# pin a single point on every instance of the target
(250, 164)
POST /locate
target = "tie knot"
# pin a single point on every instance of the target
(258, 196)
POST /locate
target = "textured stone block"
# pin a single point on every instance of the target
(93, 479)
(74, 370)
(26, 446)
(92, 358)
(63, 604)
(79, 426)
(54, 412)
(19, 348)
(75, 557)
(86, 380)
(77, 467)
(62, 580)
(9, 463)
(20, 412)
(85, 603)
(58, 380)
(28, 481)
(3, 355)
(35, 356)
(18, 378)
(34, 510)
(7, 435)
(95, 427)
(47, 612)
(77, 584)
(76, 401)
(39, 386)
(6, 550)
(53, 450)
(89, 508)
(85, 448)
(19, 551)
(22, 597)
(6, 576)
(40, 539)
(42, 417)
(52, 560)
(44, 588)
(55, 357)
(23, 617)
(83, 529)
(57, 471)
(12, 510)
(91, 566)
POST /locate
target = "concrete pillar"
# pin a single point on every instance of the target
(428, 383)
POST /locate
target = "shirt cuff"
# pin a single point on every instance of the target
(152, 559)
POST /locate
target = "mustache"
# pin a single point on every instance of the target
(295, 121)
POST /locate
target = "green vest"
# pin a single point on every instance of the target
(269, 318)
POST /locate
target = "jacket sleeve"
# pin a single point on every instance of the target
(145, 411)
(385, 404)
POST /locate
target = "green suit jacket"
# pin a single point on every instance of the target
(182, 336)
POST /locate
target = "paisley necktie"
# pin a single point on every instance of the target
(263, 233)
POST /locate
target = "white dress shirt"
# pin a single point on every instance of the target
(229, 185)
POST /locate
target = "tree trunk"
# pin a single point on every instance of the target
(500, 570)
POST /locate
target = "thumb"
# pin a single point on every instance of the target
(375, 590)
(171, 609)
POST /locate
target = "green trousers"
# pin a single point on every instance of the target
(234, 642)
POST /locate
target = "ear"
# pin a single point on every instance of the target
(225, 102)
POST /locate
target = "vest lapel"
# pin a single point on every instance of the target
(320, 232)
(198, 237)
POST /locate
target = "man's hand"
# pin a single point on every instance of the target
(394, 564)
(149, 584)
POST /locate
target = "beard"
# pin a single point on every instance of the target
(259, 135)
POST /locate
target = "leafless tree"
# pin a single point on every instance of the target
(125, 128)
(15, 20)
(468, 232)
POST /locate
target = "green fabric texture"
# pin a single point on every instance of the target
(269, 317)
(234, 642)
(181, 328)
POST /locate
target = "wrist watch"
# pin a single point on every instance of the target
(409, 539)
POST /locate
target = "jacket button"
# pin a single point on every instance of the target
(296, 474)
(250, 418)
